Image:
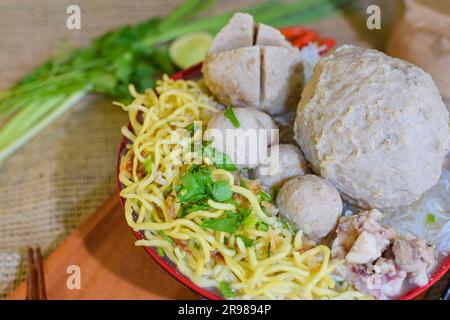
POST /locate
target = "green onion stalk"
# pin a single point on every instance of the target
(132, 54)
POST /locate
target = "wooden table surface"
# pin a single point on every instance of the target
(110, 266)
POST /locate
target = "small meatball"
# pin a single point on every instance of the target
(415, 257)
(243, 144)
(233, 76)
(281, 79)
(360, 238)
(284, 162)
(381, 280)
(311, 203)
(238, 33)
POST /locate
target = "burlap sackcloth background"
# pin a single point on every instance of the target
(52, 185)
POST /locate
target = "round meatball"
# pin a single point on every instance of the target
(374, 126)
(244, 145)
(284, 162)
(311, 203)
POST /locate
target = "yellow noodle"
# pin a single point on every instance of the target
(275, 266)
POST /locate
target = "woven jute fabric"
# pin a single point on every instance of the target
(58, 179)
(55, 182)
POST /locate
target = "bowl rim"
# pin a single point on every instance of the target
(194, 71)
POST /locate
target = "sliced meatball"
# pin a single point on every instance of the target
(360, 238)
(284, 162)
(311, 203)
(415, 257)
(237, 33)
(281, 79)
(233, 76)
(267, 75)
(243, 144)
(269, 36)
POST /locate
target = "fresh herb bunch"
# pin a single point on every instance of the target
(129, 55)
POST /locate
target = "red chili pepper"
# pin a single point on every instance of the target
(328, 42)
(299, 42)
(306, 38)
(292, 32)
(310, 36)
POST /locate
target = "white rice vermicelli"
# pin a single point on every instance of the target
(429, 216)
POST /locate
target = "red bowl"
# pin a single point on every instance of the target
(194, 72)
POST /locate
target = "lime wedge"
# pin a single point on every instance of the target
(190, 49)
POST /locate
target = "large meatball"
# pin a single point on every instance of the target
(284, 162)
(243, 144)
(374, 126)
(311, 203)
(253, 65)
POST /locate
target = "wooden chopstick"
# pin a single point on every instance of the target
(35, 280)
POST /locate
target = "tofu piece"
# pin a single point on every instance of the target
(238, 33)
(234, 76)
(281, 79)
(269, 36)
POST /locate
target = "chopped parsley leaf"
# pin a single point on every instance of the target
(264, 196)
(195, 184)
(165, 237)
(247, 241)
(221, 160)
(226, 290)
(431, 218)
(230, 115)
(160, 251)
(261, 226)
(221, 191)
(148, 164)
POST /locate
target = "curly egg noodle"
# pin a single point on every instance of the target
(278, 265)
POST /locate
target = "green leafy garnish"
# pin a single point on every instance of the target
(273, 192)
(262, 226)
(148, 163)
(264, 196)
(186, 209)
(288, 226)
(339, 283)
(431, 218)
(221, 160)
(191, 128)
(229, 114)
(226, 290)
(221, 191)
(160, 251)
(195, 185)
(247, 241)
(167, 190)
(251, 220)
(243, 183)
(165, 237)
(229, 222)
(244, 212)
